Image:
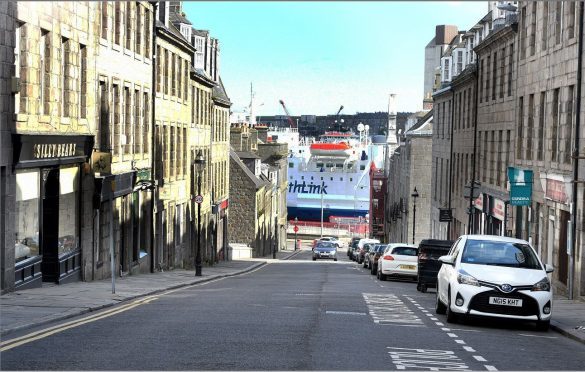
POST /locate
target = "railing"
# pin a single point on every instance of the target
(329, 228)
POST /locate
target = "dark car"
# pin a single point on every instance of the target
(325, 250)
(352, 246)
(373, 256)
(429, 251)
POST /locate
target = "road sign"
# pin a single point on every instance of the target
(199, 199)
(296, 229)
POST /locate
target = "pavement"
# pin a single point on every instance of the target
(30, 308)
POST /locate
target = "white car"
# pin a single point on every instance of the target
(398, 260)
(331, 239)
(494, 276)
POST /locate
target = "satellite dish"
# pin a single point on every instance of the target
(360, 127)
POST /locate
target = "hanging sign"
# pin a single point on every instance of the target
(520, 186)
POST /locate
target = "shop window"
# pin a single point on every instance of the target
(26, 243)
(68, 209)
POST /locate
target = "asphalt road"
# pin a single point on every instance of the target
(292, 315)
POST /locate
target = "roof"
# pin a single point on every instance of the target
(219, 94)
(258, 183)
(178, 18)
(175, 34)
(246, 155)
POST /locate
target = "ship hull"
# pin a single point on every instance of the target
(314, 214)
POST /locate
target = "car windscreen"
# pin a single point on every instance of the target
(325, 245)
(509, 254)
(405, 251)
(381, 248)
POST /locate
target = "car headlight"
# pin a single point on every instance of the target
(543, 285)
(464, 278)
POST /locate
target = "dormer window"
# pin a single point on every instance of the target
(186, 31)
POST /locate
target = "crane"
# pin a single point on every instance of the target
(337, 117)
(291, 122)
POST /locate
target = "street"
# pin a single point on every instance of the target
(289, 315)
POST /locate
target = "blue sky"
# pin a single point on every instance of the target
(316, 56)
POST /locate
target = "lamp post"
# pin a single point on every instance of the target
(199, 166)
(296, 228)
(414, 196)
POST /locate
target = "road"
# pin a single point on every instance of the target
(291, 315)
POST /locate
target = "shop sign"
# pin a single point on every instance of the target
(445, 215)
(520, 186)
(498, 209)
(478, 203)
(33, 148)
(555, 191)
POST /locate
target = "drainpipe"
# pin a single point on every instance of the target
(573, 227)
(153, 139)
(472, 186)
(451, 160)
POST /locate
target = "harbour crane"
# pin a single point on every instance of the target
(291, 122)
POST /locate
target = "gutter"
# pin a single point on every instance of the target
(451, 161)
(153, 138)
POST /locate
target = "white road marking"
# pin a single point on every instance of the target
(434, 318)
(479, 358)
(389, 309)
(469, 348)
(490, 368)
(460, 341)
(439, 324)
(452, 335)
(343, 312)
(522, 334)
(421, 359)
(445, 329)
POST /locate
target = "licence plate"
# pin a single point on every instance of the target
(506, 301)
(407, 267)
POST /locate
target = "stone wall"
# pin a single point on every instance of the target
(243, 222)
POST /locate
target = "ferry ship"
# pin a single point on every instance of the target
(329, 177)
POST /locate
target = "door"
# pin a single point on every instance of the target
(49, 235)
(550, 242)
(563, 256)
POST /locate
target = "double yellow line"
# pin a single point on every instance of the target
(15, 342)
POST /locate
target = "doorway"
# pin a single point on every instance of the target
(49, 235)
(563, 256)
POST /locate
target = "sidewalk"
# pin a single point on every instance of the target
(33, 307)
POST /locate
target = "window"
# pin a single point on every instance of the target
(555, 126)
(145, 123)
(570, 122)
(459, 61)
(510, 69)
(138, 123)
(147, 40)
(523, 32)
(533, 29)
(172, 154)
(129, 24)
(179, 77)
(117, 22)
(159, 68)
(571, 19)
(104, 20)
(184, 156)
(495, 77)
(520, 128)
(559, 7)
(83, 82)
(544, 40)
(65, 79)
(487, 79)
(103, 135)
(502, 70)
(540, 139)
(44, 51)
(68, 209)
(173, 74)
(166, 70)
(26, 213)
(530, 129)
(117, 124)
(139, 28)
(362, 167)
(128, 132)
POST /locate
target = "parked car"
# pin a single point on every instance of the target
(325, 250)
(494, 276)
(352, 245)
(373, 256)
(399, 260)
(429, 251)
(359, 257)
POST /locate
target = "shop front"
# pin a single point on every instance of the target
(47, 209)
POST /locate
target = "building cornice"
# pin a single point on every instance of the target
(495, 38)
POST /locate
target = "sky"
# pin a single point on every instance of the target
(317, 56)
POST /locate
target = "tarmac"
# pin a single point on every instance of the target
(26, 309)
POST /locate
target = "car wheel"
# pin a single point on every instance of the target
(372, 271)
(542, 325)
(451, 316)
(335, 259)
(314, 258)
(440, 307)
(381, 276)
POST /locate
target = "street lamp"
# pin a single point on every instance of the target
(414, 196)
(199, 166)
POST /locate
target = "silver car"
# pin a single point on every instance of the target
(325, 250)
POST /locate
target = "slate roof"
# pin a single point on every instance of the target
(219, 93)
(178, 18)
(246, 155)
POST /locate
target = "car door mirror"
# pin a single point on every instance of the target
(449, 260)
(548, 268)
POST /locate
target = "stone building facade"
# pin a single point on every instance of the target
(48, 196)
(547, 105)
(122, 152)
(410, 168)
